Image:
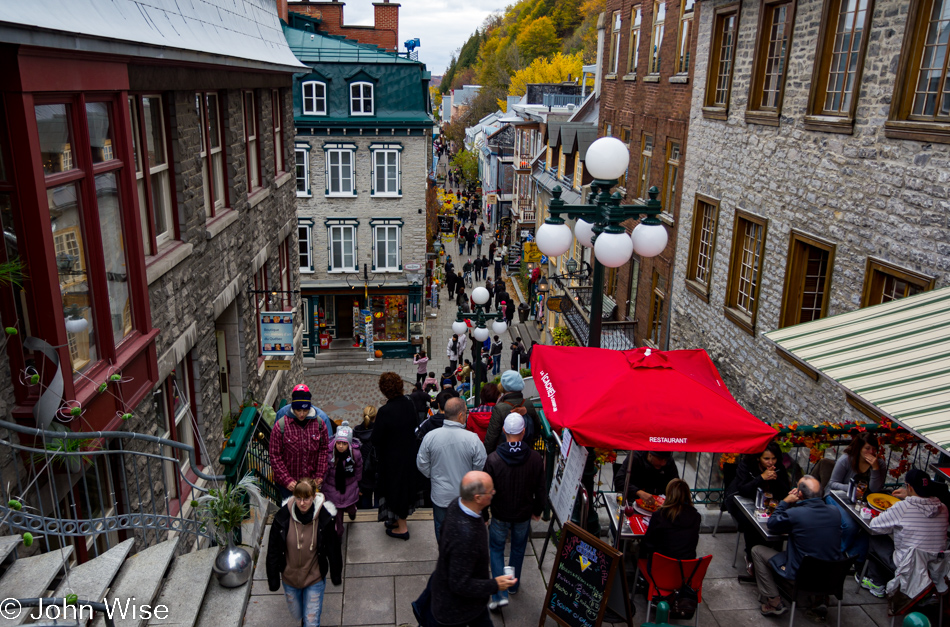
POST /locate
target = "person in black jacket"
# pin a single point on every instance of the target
(460, 585)
(394, 438)
(650, 473)
(421, 401)
(674, 528)
(758, 470)
(518, 474)
(302, 547)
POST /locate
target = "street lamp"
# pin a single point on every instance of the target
(481, 333)
(598, 225)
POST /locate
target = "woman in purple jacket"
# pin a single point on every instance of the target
(344, 472)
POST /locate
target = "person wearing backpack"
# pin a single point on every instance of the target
(512, 400)
(478, 244)
(496, 347)
(298, 444)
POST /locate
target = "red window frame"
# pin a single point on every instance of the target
(250, 166)
(142, 143)
(209, 158)
(277, 117)
(283, 254)
(184, 488)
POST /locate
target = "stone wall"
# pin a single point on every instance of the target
(870, 195)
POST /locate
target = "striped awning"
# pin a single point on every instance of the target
(895, 356)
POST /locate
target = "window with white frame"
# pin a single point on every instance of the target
(251, 142)
(305, 245)
(386, 171)
(302, 155)
(386, 247)
(341, 240)
(314, 98)
(151, 162)
(340, 171)
(173, 400)
(361, 98)
(277, 121)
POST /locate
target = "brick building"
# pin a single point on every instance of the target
(329, 16)
(815, 184)
(363, 147)
(647, 67)
(147, 189)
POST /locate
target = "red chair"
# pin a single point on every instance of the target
(664, 577)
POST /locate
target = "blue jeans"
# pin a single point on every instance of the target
(438, 517)
(497, 535)
(306, 604)
(495, 364)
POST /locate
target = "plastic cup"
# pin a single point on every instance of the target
(510, 572)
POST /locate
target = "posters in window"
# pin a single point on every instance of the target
(277, 333)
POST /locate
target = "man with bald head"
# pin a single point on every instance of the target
(461, 585)
(445, 455)
(813, 528)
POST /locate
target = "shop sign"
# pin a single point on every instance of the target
(554, 304)
(277, 333)
(277, 364)
(491, 199)
(531, 252)
(412, 267)
(368, 322)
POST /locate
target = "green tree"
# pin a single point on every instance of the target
(538, 39)
(467, 163)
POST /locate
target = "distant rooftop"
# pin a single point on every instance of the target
(311, 47)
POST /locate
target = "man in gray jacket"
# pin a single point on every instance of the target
(445, 455)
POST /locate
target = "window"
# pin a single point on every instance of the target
(283, 263)
(260, 300)
(386, 247)
(722, 52)
(633, 45)
(686, 30)
(314, 98)
(173, 400)
(153, 177)
(842, 42)
(340, 172)
(305, 246)
(92, 269)
(656, 41)
(302, 156)
(920, 106)
(386, 172)
(342, 248)
(745, 269)
(632, 289)
(625, 138)
(277, 118)
(657, 300)
(807, 279)
(884, 282)
(251, 142)
(671, 177)
(702, 245)
(212, 152)
(771, 62)
(646, 154)
(615, 21)
(361, 99)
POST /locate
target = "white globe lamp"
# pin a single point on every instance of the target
(459, 327)
(613, 249)
(480, 295)
(480, 333)
(607, 158)
(76, 325)
(554, 239)
(649, 240)
(499, 327)
(584, 231)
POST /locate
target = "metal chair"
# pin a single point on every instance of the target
(665, 575)
(818, 577)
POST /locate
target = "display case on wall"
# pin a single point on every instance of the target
(390, 319)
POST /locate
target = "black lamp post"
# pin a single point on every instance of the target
(481, 333)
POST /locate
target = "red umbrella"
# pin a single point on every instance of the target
(644, 399)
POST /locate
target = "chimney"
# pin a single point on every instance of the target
(386, 19)
(282, 11)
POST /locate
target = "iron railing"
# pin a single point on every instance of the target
(60, 485)
(248, 451)
(560, 100)
(614, 335)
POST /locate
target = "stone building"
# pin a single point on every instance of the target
(363, 148)
(815, 184)
(647, 65)
(146, 187)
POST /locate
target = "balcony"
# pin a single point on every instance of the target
(613, 335)
(561, 100)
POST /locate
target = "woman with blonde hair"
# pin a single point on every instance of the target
(674, 528)
(363, 433)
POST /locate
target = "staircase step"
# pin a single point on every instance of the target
(224, 607)
(30, 577)
(90, 581)
(185, 587)
(8, 544)
(139, 581)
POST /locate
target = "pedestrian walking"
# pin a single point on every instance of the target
(297, 444)
(451, 281)
(509, 311)
(478, 244)
(498, 259)
(512, 401)
(485, 265)
(446, 455)
(421, 362)
(470, 238)
(344, 472)
(302, 549)
(460, 588)
(496, 347)
(452, 351)
(518, 474)
(394, 438)
(364, 433)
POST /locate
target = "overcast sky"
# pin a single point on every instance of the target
(442, 26)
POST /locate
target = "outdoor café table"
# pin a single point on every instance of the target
(841, 497)
(626, 533)
(747, 507)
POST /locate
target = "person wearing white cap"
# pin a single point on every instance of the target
(518, 474)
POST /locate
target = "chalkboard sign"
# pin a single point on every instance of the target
(581, 580)
(446, 224)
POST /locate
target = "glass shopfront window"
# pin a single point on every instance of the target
(390, 320)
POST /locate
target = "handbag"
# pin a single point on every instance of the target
(684, 600)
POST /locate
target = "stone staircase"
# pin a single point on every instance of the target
(153, 577)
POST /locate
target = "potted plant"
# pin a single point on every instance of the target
(64, 451)
(223, 510)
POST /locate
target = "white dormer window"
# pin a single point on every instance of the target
(314, 98)
(361, 98)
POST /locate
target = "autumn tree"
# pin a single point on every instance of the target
(467, 163)
(538, 39)
(555, 69)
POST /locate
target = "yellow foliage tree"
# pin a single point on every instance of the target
(555, 69)
(538, 39)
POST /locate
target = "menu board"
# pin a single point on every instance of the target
(584, 569)
(567, 477)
